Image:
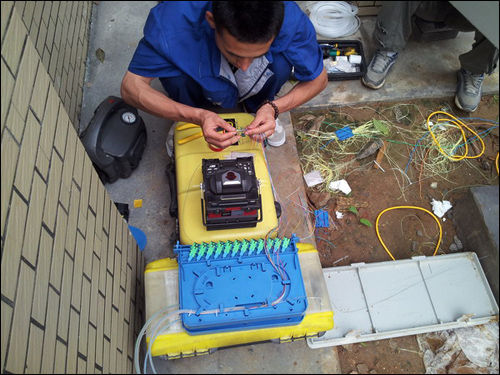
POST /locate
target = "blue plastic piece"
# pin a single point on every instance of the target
(321, 218)
(246, 286)
(139, 236)
(344, 133)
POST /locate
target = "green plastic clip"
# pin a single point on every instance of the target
(236, 247)
(220, 246)
(210, 251)
(277, 244)
(252, 246)
(285, 243)
(193, 251)
(270, 243)
(201, 252)
(244, 246)
(227, 248)
(260, 246)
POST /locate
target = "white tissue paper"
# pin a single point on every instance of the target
(313, 178)
(341, 185)
(339, 215)
(440, 207)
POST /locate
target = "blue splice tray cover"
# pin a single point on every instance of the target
(242, 283)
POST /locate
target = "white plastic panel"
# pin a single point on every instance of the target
(405, 297)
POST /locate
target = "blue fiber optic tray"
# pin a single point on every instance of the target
(233, 286)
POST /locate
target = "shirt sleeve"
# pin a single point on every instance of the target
(151, 55)
(304, 52)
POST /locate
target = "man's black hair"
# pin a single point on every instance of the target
(249, 21)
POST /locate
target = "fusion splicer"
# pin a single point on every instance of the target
(231, 197)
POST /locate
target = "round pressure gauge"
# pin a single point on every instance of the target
(128, 117)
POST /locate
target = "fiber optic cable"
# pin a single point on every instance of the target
(411, 207)
(460, 125)
(496, 163)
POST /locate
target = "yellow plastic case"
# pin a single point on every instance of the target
(162, 290)
(190, 149)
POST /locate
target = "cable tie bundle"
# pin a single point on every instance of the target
(335, 19)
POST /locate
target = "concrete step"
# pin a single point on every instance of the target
(476, 220)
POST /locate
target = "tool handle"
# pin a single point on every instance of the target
(187, 126)
(190, 138)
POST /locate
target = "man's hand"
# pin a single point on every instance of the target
(263, 125)
(210, 122)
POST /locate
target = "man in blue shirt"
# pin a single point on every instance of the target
(219, 54)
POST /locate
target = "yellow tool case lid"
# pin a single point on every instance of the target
(190, 149)
(162, 290)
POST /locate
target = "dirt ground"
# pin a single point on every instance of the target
(406, 233)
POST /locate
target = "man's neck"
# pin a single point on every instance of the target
(233, 68)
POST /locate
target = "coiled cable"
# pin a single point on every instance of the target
(334, 19)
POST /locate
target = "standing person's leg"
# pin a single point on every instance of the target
(480, 60)
(392, 30)
(394, 24)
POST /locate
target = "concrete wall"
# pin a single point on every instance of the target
(71, 272)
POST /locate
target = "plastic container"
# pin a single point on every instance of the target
(344, 44)
(161, 283)
(381, 300)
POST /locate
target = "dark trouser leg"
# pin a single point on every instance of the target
(483, 57)
(281, 69)
(394, 27)
(394, 24)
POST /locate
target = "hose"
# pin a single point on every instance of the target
(334, 19)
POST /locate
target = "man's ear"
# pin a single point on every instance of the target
(210, 19)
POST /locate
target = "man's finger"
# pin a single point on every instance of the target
(225, 143)
(221, 136)
(226, 126)
(260, 129)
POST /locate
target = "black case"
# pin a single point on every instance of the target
(114, 146)
(356, 44)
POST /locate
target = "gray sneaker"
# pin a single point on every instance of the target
(379, 68)
(468, 93)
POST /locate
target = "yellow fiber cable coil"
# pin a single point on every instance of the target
(460, 126)
(411, 207)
